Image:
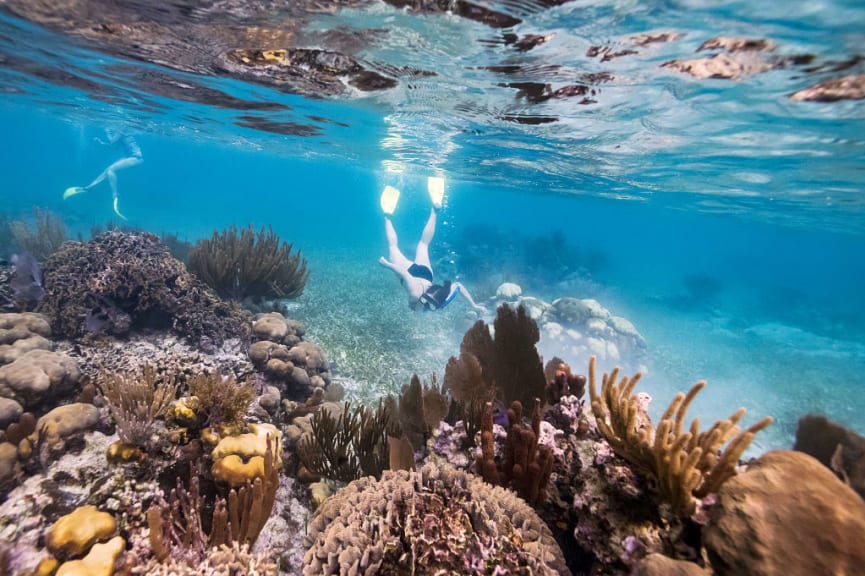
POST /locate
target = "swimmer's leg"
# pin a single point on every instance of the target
(422, 252)
(394, 253)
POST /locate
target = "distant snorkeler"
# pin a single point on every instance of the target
(417, 276)
(131, 157)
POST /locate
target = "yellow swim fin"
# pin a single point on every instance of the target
(435, 185)
(389, 198)
(73, 190)
(116, 211)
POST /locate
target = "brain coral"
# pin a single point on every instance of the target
(119, 282)
(435, 521)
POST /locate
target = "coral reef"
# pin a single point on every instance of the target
(241, 264)
(295, 366)
(177, 529)
(118, 283)
(685, 464)
(241, 459)
(20, 333)
(419, 410)
(74, 533)
(45, 236)
(437, 520)
(36, 375)
(221, 560)
(561, 382)
(99, 561)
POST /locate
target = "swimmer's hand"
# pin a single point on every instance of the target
(482, 310)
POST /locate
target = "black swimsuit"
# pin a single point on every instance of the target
(421, 271)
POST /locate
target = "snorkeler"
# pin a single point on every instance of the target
(417, 276)
(131, 157)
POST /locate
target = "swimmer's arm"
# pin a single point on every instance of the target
(456, 286)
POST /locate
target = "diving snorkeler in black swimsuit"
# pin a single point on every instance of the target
(417, 276)
(131, 157)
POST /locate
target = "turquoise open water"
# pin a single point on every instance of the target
(725, 220)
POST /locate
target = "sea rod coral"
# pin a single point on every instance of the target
(684, 464)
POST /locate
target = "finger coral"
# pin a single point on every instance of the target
(435, 521)
(684, 464)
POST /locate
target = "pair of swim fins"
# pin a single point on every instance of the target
(73, 190)
(435, 187)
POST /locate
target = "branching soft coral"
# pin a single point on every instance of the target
(240, 264)
(685, 464)
(136, 400)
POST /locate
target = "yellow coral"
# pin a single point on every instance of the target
(236, 472)
(46, 567)
(99, 562)
(685, 464)
(76, 532)
(121, 452)
(240, 459)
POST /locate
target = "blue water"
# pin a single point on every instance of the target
(726, 221)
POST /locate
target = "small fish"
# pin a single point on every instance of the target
(26, 281)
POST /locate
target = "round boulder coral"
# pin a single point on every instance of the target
(436, 521)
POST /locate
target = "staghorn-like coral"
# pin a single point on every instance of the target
(241, 264)
(684, 464)
(434, 521)
(136, 400)
(118, 283)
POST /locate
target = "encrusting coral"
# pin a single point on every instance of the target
(434, 521)
(684, 464)
(239, 264)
